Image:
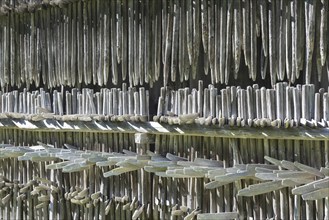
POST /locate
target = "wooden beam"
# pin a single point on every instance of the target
(51, 125)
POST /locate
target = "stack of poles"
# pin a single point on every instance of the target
(75, 42)
(283, 105)
(112, 102)
(154, 195)
(87, 42)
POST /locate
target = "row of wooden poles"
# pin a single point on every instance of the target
(29, 190)
(283, 105)
(108, 101)
(93, 42)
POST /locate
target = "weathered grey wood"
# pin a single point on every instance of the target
(196, 37)
(237, 38)
(204, 24)
(213, 41)
(250, 103)
(55, 26)
(74, 22)
(253, 41)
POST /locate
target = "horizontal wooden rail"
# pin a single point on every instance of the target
(52, 125)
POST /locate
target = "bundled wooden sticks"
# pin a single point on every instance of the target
(305, 181)
(290, 174)
(128, 103)
(60, 61)
(283, 105)
(72, 42)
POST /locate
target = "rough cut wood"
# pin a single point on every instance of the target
(290, 33)
(69, 147)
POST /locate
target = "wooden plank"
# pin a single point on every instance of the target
(298, 133)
